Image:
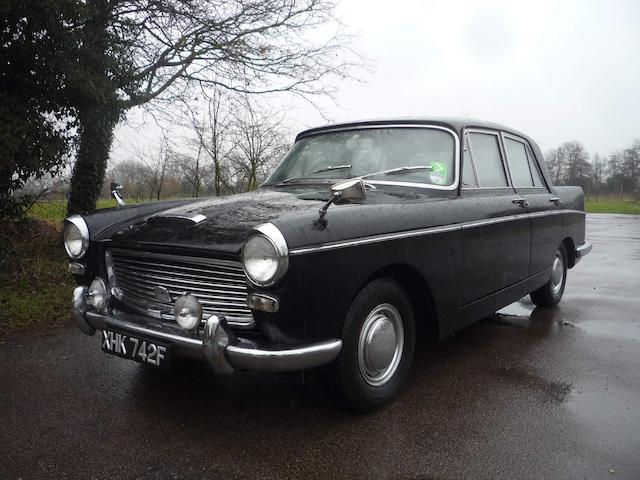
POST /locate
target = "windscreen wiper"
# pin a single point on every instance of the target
(395, 171)
(332, 167)
(324, 169)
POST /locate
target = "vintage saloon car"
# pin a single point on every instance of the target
(363, 233)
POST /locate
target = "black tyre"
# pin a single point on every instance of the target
(551, 292)
(378, 343)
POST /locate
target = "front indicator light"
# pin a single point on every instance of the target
(266, 303)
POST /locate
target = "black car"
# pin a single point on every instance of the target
(364, 232)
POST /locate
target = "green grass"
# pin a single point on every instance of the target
(55, 211)
(35, 287)
(612, 206)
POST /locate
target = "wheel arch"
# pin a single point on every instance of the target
(420, 296)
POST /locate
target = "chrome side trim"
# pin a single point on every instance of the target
(375, 239)
(427, 231)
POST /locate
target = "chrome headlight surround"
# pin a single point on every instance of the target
(280, 253)
(76, 229)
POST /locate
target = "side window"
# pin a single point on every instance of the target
(468, 175)
(518, 163)
(485, 150)
(535, 171)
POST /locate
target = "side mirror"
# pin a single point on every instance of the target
(352, 190)
(116, 192)
(349, 191)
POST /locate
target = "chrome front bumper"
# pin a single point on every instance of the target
(582, 250)
(217, 345)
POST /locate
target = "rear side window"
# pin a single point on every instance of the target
(518, 163)
(535, 172)
(485, 151)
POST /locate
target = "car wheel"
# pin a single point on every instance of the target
(377, 345)
(550, 293)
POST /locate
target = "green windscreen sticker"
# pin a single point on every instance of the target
(438, 173)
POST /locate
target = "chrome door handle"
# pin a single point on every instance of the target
(520, 201)
(556, 200)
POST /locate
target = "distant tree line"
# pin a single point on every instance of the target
(618, 173)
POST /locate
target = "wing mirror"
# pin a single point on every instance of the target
(116, 192)
(352, 190)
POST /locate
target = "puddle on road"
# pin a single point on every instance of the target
(521, 308)
(611, 328)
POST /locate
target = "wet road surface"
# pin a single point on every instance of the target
(526, 394)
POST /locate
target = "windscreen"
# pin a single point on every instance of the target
(364, 152)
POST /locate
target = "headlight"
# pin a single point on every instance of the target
(76, 236)
(265, 256)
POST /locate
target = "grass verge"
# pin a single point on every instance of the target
(35, 287)
(55, 211)
(612, 206)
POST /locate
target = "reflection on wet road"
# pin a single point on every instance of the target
(529, 393)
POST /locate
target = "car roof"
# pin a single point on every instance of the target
(458, 124)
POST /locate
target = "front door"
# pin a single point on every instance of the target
(495, 228)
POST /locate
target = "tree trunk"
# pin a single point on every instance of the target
(98, 110)
(96, 135)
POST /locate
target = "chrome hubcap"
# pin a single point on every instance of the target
(380, 344)
(557, 273)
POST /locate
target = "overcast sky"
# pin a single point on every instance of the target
(556, 70)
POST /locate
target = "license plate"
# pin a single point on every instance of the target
(135, 348)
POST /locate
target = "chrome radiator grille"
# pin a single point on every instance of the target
(140, 278)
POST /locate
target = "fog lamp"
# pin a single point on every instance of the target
(98, 294)
(188, 312)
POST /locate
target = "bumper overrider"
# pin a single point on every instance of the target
(218, 345)
(582, 251)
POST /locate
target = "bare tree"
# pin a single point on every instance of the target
(631, 166)
(132, 52)
(569, 163)
(556, 164)
(211, 128)
(259, 142)
(598, 172)
(577, 163)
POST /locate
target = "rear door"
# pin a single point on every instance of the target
(495, 235)
(542, 205)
